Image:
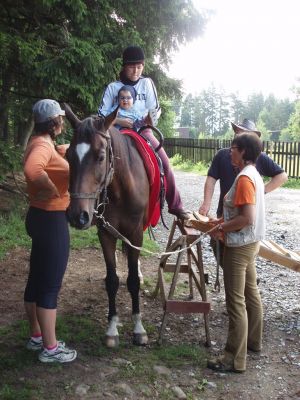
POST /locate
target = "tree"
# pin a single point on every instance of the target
(167, 120)
(70, 50)
(254, 105)
(275, 114)
(187, 111)
(293, 129)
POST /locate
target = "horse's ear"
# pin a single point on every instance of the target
(109, 120)
(71, 117)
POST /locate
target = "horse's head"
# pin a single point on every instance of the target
(90, 160)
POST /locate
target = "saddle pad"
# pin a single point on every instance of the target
(153, 173)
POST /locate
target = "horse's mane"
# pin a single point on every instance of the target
(87, 129)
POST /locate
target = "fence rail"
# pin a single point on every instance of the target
(286, 154)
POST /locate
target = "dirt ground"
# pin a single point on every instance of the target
(272, 374)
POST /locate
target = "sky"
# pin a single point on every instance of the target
(249, 46)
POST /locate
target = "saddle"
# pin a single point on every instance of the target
(153, 167)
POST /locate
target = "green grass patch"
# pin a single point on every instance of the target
(18, 366)
(292, 183)
(27, 392)
(13, 234)
(178, 163)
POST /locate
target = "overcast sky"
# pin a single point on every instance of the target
(248, 46)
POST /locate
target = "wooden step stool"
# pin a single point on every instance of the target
(193, 267)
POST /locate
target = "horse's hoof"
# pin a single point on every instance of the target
(111, 341)
(140, 339)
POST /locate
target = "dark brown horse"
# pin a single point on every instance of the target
(106, 168)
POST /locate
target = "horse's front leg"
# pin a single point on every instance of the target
(133, 284)
(108, 244)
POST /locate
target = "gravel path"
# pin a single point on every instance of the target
(278, 368)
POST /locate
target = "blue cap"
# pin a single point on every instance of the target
(45, 110)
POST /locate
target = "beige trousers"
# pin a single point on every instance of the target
(243, 304)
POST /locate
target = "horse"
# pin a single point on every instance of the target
(106, 168)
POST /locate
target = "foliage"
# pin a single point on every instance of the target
(167, 119)
(70, 50)
(293, 129)
(12, 232)
(211, 110)
(10, 158)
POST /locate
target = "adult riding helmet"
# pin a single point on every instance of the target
(133, 55)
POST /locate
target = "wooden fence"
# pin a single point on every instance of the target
(286, 154)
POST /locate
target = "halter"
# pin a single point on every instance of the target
(109, 173)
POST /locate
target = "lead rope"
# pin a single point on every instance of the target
(106, 225)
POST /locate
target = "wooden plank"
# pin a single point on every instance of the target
(286, 252)
(273, 253)
(199, 222)
(170, 267)
(162, 287)
(187, 307)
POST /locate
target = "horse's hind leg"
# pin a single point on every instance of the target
(108, 244)
(133, 284)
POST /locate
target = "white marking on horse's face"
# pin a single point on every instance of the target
(82, 149)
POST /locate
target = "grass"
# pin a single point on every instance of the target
(13, 234)
(23, 377)
(178, 163)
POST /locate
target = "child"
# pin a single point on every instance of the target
(126, 99)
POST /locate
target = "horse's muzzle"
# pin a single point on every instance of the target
(79, 220)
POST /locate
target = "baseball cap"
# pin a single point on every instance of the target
(45, 110)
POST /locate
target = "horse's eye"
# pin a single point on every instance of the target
(100, 156)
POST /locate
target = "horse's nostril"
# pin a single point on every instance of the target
(83, 218)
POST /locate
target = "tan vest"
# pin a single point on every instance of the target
(250, 233)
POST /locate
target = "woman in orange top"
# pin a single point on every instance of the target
(242, 228)
(47, 176)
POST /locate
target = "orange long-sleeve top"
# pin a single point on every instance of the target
(47, 174)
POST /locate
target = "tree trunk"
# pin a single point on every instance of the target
(27, 133)
(7, 78)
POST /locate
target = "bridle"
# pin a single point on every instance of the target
(101, 192)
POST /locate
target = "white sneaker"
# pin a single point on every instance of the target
(62, 354)
(34, 344)
(38, 344)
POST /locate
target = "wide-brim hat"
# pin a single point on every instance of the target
(246, 126)
(133, 55)
(45, 110)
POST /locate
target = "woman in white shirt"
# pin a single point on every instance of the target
(146, 101)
